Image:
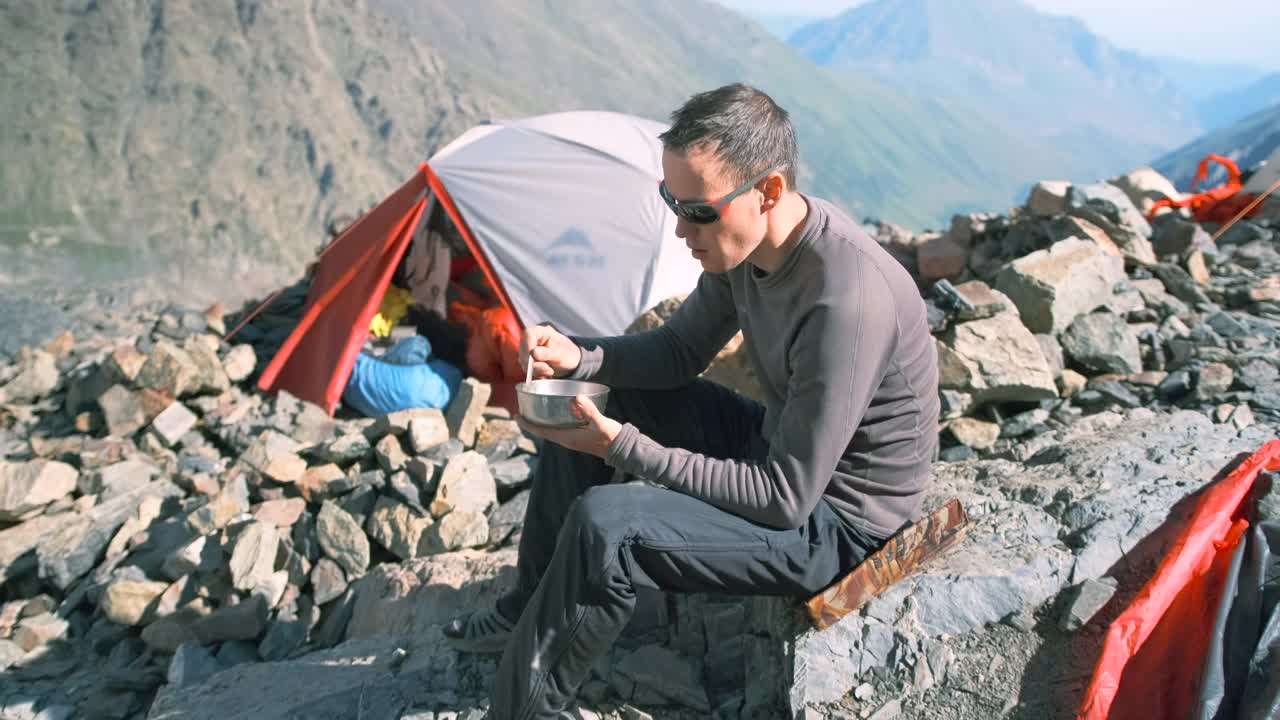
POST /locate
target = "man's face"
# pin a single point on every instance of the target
(722, 245)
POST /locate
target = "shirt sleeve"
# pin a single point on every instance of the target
(838, 358)
(667, 356)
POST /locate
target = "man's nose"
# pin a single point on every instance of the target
(684, 228)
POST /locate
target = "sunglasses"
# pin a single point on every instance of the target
(705, 213)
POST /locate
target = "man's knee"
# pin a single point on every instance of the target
(602, 512)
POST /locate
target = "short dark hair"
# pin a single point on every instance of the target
(746, 129)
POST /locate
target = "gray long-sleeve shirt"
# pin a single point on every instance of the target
(840, 341)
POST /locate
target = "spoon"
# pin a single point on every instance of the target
(528, 373)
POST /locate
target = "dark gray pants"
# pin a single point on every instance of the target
(575, 594)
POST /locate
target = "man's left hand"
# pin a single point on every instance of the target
(594, 438)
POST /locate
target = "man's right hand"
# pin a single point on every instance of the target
(552, 354)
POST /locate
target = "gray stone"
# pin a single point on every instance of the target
(18, 544)
(1048, 197)
(236, 652)
(243, 621)
(974, 433)
(1227, 325)
(954, 403)
(37, 376)
(285, 635)
(1087, 599)
(1052, 287)
(117, 478)
(173, 422)
(515, 472)
(1213, 380)
(353, 681)
(415, 598)
(198, 556)
(427, 431)
(1112, 203)
(211, 377)
(888, 711)
(508, 517)
(498, 439)
(84, 389)
(282, 513)
(168, 633)
(398, 527)
(466, 410)
(191, 664)
(1177, 236)
(37, 630)
(359, 503)
(1103, 343)
(466, 484)
(422, 473)
(1175, 385)
(1257, 374)
(324, 481)
(455, 531)
(342, 539)
(275, 455)
(996, 359)
(128, 602)
(669, 675)
(239, 362)
(327, 581)
(77, 545)
(230, 502)
(30, 486)
(10, 653)
(253, 556)
(391, 457)
(1052, 351)
(443, 453)
(1180, 284)
(397, 423)
(347, 448)
(171, 370)
(1023, 423)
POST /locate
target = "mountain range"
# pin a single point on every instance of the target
(1042, 78)
(1248, 142)
(141, 136)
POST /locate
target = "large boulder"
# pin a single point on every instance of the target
(1051, 287)
(996, 359)
(1109, 208)
(1103, 343)
(27, 487)
(1144, 187)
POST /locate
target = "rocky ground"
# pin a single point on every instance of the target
(175, 544)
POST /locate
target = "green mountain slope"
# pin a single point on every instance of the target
(139, 136)
(1044, 78)
(870, 147)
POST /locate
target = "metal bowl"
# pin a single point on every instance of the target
(550, 402)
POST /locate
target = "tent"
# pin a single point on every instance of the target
(560, 211)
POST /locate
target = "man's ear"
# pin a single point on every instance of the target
(771, 192)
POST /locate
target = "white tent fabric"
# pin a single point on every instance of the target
(566, 208)
(1266, 176)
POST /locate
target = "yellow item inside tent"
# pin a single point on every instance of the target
(395, 303)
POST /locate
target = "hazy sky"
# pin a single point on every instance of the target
(1245, 31)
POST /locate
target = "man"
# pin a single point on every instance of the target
(777, 499)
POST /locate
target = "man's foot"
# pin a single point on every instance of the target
(483, 631)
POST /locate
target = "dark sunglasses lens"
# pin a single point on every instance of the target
(701, 214)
